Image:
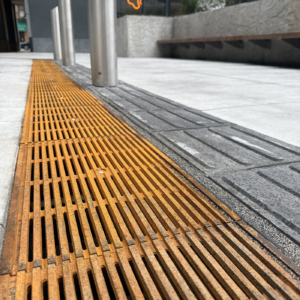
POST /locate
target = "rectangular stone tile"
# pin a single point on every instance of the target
(173, 119)
(151, 122)
(236, 152)
(270, 148)
(287, 177)
(272, 192)
(209, 159)
(120, 102)
(151, 99)
(196, 117)
(133, 99)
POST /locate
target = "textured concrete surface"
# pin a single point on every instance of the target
(14, 80)
(137, 35)
(239, 152)
(258, 17)
(272, 192)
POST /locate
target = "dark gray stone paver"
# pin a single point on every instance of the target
(269, 191)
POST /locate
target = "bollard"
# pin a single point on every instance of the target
(102, 32)
(56, 34)
(66, 32)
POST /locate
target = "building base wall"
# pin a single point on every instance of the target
(46, 45)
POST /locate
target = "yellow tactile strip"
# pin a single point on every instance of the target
(95, 213)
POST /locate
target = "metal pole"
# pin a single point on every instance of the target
(66, 32)
(102, 31)
(56, 34)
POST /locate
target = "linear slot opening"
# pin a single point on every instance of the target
(80, 191)
(132, 233)
(71, 192)
(180, 271)
(80, 230)
(71, 250)
(91, 227)
(30, 241)
(99, 189)
(31, 198)
(77, 287)
(72, 164)
(126, 290)
(51, 195)
(41, 170)
(56, 240)
(93, 285)
(44, 241)
(61, 194)
(102, 223)
(54, 151)
(111, 194)
(45, 290)
(29, 292)
(61, 288)
(108, 284)
(57, 169)
(65, 167)
(32, 171)
(42, 198)
(68, 150)
(49, 170)
(138, 279)
(116, 225)
(168, 276)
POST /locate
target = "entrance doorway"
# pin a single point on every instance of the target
(13, 26)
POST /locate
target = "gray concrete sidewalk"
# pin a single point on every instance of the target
(14, 80)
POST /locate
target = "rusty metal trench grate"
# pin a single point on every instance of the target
(97, 213)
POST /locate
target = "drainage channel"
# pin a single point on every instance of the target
(97, 214)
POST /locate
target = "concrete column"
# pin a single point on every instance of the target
(56, 34)
(102, 32)
(66, 32)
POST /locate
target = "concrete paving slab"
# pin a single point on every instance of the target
(12, 114)
(10, 130)
(173, 119)
(14, 81)
(133, 99)
(151, 121)
(12, 101)
(8, 156)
